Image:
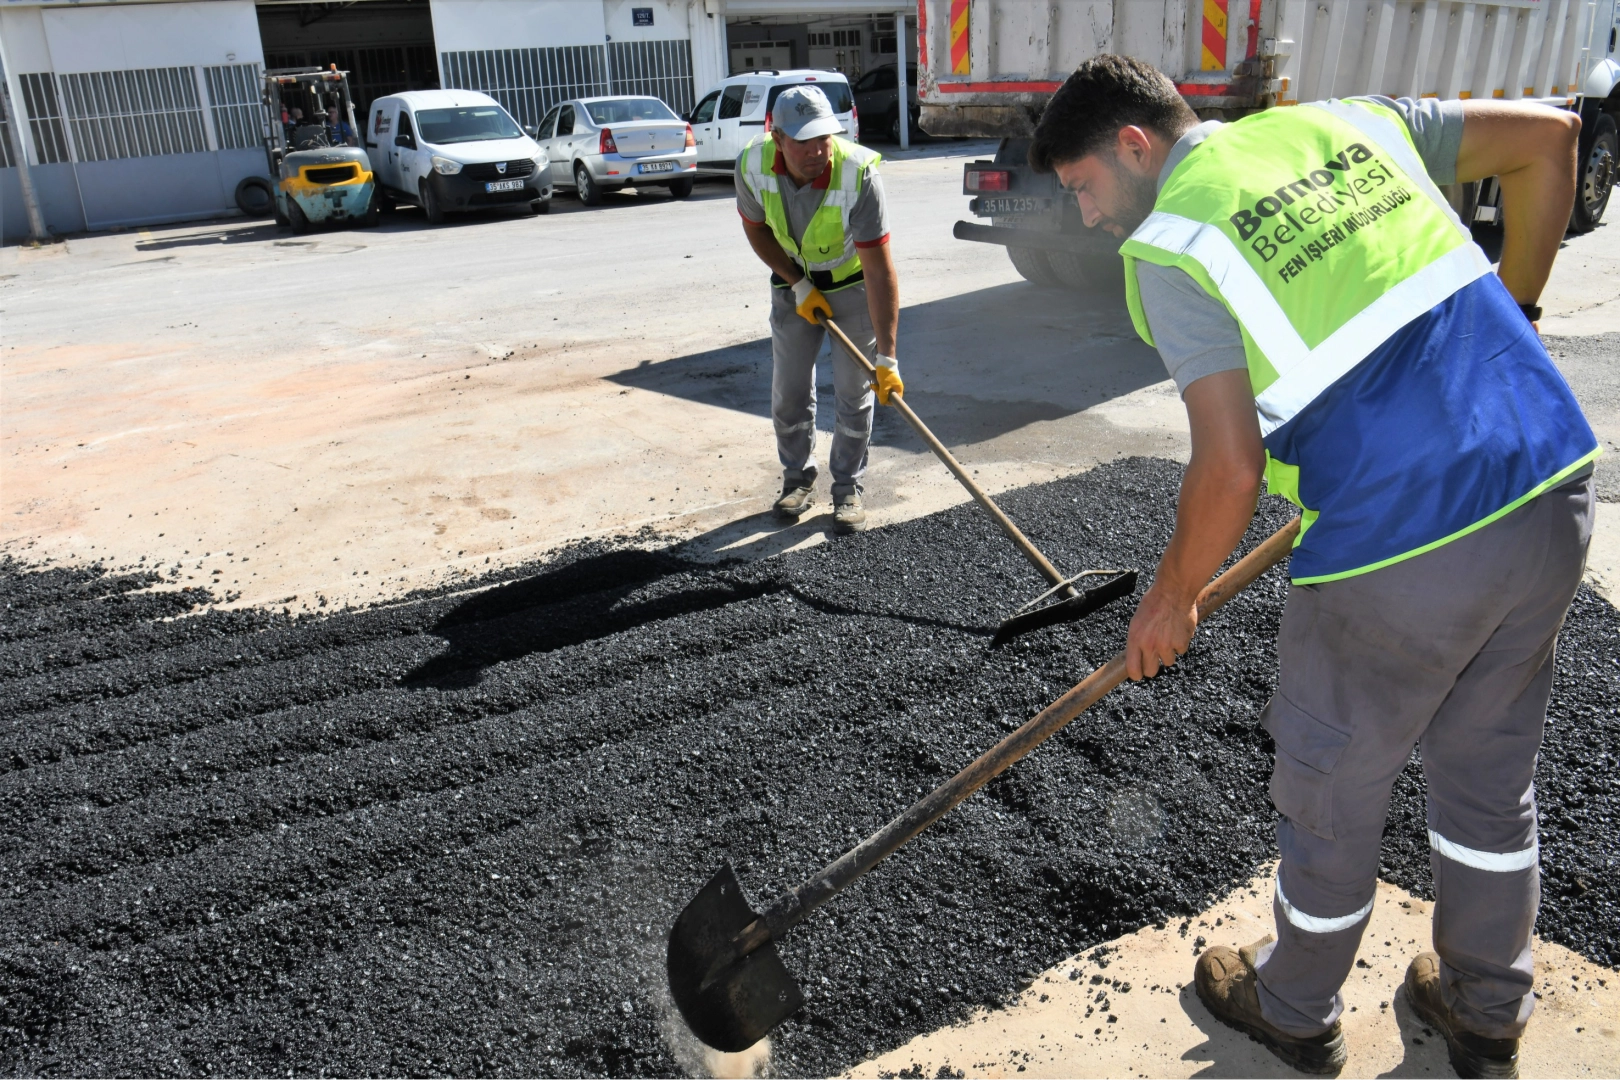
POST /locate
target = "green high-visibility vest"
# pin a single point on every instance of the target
(827, 245)
(1402, 398)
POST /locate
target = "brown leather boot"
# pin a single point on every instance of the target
(795, 500)
(1473, 1056)
(1230, 989)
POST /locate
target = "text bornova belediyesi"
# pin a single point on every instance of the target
(1345, 189)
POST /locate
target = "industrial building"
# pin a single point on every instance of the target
(139, 113)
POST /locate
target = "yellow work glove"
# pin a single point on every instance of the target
(888, 378)
(809, 302)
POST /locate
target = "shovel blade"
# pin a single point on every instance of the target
(1066, 610)
(743, 1001)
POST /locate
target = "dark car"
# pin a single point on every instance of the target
(877, 96)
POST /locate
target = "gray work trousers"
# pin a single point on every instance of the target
(1451, 650)
(795, 342)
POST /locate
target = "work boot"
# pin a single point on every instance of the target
(1229, 988)
(795, 500)
(849, 516)
(1471, 1055)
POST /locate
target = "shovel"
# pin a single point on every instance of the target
(1064, 601)
(724, 972)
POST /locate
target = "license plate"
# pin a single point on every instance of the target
(1012, 205)
(657, 166)
(504, 185)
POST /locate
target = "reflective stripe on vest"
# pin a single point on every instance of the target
(1279, 301)
(827, 237)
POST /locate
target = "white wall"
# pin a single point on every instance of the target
(152, 35)
(709, 61)
(462, 25)
(669, 20)
(26, 46)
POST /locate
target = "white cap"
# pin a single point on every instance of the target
(803, 112)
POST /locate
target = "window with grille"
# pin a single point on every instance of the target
(6, 159)
(146, 112)
(234, 97)
(44, 117)
(846, 37)
(528, 82)
(821, 40)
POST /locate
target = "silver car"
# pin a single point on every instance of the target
(604, 143)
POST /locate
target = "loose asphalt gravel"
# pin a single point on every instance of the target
(450, 834)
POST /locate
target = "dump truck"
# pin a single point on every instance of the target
(988, 67)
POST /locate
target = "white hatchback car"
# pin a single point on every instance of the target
(602, 143)
(731, 114)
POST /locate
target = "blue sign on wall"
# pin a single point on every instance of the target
(641, 16)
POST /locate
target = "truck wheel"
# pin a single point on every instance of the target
(373, 213)
(1597, 176)
(431, 205)
(1033, 265)
(1096, 274)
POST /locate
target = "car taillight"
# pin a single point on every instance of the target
(690, 141)
(605, 143)
(988, 180)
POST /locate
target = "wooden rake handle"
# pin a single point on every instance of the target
(897, 402)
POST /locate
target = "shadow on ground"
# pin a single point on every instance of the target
(586, 594)
(965, 376)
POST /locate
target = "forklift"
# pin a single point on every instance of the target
(323, 175)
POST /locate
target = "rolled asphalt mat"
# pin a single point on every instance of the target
(449, 835)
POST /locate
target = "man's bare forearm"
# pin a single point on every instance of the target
(1530, 149)
(1217, 500)
(882, 295)
(1213, 512)
(770, 252)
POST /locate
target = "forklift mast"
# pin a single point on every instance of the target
(280, 81)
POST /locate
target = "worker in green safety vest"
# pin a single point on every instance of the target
(1334, 331)
(813, 209)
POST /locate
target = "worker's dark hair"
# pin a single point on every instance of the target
(1104, 94)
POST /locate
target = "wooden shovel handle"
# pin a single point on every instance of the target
(789, 908)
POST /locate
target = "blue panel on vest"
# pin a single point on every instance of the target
(1453, 418)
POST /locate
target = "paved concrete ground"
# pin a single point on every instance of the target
(336, 418)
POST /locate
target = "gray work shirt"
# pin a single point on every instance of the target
(868, 221)
(1195, 334)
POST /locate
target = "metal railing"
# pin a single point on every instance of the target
(144, 112)
(660, 69)
(44, 117)
(234, 98)
(528, 82)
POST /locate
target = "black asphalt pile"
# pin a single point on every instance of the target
(450, 835)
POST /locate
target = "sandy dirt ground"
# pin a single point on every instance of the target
(306, 421)
(1129, 1009)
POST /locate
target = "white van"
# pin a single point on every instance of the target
(731, 114)
(448, 150)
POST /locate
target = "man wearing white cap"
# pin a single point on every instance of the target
(813, 210)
